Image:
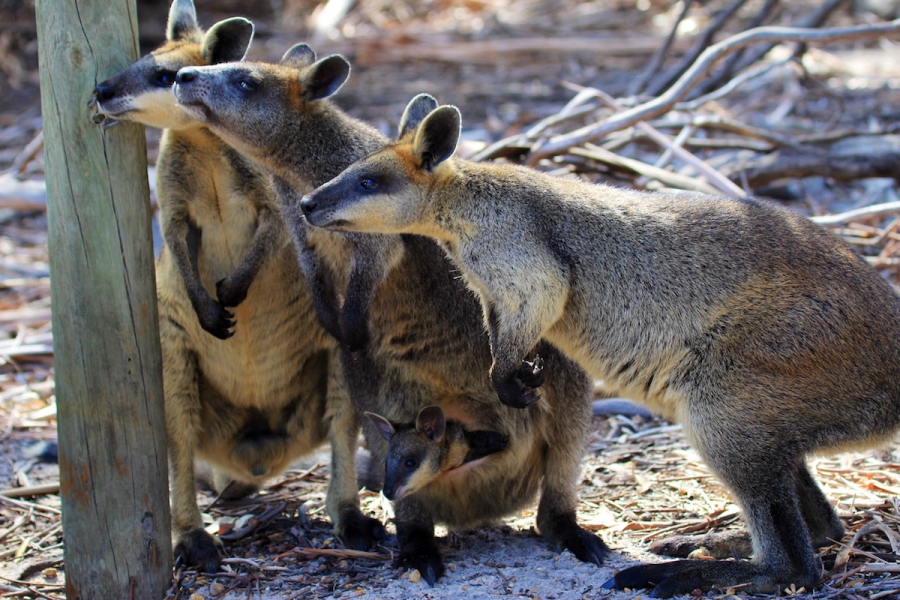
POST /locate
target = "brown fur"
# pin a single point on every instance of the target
(412, 334)
(273, 391)
(762, 333)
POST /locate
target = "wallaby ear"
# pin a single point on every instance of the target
(227, 41)
(417, 109)
(384, 426)
(430, 421)
(299, 56)
(182, 20)
(324, 77)
(438, 136)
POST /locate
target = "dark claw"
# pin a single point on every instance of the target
(197, 548)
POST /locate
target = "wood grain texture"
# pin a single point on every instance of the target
(113, 469)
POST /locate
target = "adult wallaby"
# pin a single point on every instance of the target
(251, 403)
(425, 341)
(764, 334)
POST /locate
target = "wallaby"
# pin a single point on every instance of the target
(425, 342)
(251, 404)
(430, 448)
(762, 333)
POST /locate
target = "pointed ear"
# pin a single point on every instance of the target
(299, 56)
(437, 136)
(227, 41)
(430, 421)
(417, 109)
(182, 20)
(323, 78)
(384, 426)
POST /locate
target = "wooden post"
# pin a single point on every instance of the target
(112, 436)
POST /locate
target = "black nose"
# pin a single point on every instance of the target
(185, 76)
(104, 92)
(388, 491)
(308, 205)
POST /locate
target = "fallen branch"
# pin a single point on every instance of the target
(34, 490)
(876, 210)
(673, 95)
(871, 157)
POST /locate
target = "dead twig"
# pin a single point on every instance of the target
(656, 60)
(697, 48)
(673, 95)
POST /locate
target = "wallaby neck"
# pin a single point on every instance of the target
(316, 143)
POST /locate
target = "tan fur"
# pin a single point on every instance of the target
(759, 331)
(423, 338)
(273, 391)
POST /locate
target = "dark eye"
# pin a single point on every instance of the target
(367, 184)
(411, 463)
(246, 85)
(165, 78)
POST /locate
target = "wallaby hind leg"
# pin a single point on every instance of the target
(567, 437)
(355, 529)
(193, 545)
(823, 523)
(765, 484)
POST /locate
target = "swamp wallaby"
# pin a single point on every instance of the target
(250, 404)
(762, 333)
(425, 343)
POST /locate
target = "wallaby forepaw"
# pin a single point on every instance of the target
(359, 532)
(531, 374)
(197, 548)
(230, 294)
(514, 393)
(217, 320)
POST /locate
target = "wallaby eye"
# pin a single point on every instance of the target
(367, 184)
(411, 463)
(246, 85)
(165, 78)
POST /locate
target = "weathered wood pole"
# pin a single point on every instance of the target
(112, 436)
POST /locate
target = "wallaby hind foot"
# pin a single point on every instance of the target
(358, 531)
(197, 547)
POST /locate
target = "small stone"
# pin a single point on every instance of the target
(415, 576)
(197, 597)
(49, 573)
(216, 589)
